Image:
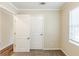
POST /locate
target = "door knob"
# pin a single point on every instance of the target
(41, 34)
(28, 38)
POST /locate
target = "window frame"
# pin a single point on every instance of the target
(70, 17)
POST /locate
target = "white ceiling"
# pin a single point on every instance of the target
(37, 5)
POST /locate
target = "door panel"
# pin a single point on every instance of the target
(22, 29)
(36, 31)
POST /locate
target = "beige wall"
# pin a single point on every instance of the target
(51, 27)
(52, 30)
(6, 28)
(66, 46)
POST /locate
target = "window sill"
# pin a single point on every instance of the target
(74, 43)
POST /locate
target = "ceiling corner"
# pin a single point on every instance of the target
(8, 6)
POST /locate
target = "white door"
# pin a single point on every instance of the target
(22, 31)
(37, 31)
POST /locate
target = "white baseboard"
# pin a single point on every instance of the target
(64, 52)
(56, 49)
(6, 46)
(51, 49)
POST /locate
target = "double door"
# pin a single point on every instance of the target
(28, 33)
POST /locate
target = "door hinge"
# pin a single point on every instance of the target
(14, 45)
(14, 33)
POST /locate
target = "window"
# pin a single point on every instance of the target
(74, 25)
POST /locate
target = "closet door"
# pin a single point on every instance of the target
(22, 33)
(37, 29)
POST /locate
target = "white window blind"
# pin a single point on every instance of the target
(74, 25)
